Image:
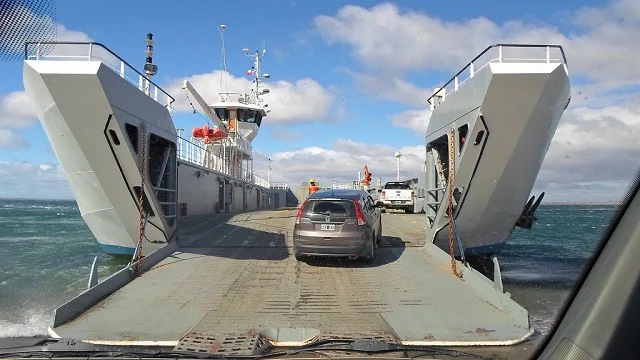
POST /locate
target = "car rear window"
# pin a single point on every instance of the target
(397, 186)
(330, 207)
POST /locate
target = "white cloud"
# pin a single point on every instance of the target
(389, 88)
(304, 100)
(341, 163)
(16, 110)
(23, 179)
(417, 120)
(386, 38)
(594, 146)
(11, 140)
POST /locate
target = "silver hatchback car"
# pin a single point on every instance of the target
(338, 222)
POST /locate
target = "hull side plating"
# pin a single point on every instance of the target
(512, 112)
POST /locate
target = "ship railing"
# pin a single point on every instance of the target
(239, 142)
(499, 53)
(94, 51)
(347, 185)
(280, 186)
(242, 98)
(193, 151)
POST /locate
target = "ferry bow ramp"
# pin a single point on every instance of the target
(233, 280)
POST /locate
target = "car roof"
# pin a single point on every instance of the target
(347, 194)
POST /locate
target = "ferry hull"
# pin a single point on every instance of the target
(83, 106)
(512, 111)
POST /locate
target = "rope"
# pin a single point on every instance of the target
(452, 164)
(143, 218)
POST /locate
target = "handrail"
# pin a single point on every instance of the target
(191, 152)
(93, 43)
(280, 186)
(470, 64)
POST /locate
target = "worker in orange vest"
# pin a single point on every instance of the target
(313, 186)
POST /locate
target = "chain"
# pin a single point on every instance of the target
(452, 164)
(142, 215)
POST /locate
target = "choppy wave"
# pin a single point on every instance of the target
(46, 252)
(33, 323)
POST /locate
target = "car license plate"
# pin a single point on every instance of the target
(327, 227)
(396, 202)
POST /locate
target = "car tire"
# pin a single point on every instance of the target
(299, 257)
(379, 239)
(408, 210)
(372, 254)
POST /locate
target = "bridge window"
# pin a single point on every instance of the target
(250, 116)
(222, 113)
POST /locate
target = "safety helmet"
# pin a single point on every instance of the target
(312, 180)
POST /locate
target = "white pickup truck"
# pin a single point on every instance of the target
(397, 195)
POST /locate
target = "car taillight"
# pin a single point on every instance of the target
(359, 214)
(383, 195)
(412, 194)
(300, 211)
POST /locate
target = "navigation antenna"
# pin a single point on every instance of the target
(150, 68)
(259, 80)
(223, 75)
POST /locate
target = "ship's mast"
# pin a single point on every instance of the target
(150, 68)
(259, 79)
(223, 75)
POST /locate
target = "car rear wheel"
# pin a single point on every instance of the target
(372, 252)
(299, 257)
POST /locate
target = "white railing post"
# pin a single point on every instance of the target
(38, 51)
(471, 70)
(155, 93)
(456, 83)
(140, 83)
(122, 69)
(548, 55)
(90, 51)
(500, 53)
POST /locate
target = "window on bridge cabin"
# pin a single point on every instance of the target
(222, 113)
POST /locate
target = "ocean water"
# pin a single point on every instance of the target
(46, 252)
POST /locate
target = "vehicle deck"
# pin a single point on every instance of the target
(236, 274)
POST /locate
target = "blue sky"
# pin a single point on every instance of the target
(187, 43)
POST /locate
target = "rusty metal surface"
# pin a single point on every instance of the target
(237, 274)
(231, 343)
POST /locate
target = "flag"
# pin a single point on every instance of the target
(249, 72)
